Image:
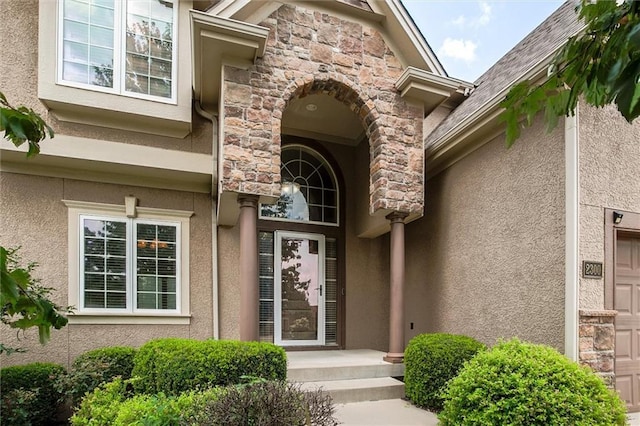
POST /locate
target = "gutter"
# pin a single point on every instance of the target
(572, 180)
(214, 219)
(469, 124)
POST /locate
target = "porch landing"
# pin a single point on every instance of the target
(348, 375)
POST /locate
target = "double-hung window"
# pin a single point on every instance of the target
(119, 46)
(129, 265)
(128, 261)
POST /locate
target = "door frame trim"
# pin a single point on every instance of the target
(277, 288)
(630, 225)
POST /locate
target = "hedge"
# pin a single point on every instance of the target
(518, 383)
(114, 404)
(431, 360)
(174, 365)
(29, 395)
(96, 367)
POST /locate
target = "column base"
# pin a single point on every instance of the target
(394, 358)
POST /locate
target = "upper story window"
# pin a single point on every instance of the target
(119, 46)
(309, 189)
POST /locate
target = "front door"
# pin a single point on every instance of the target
(299, 293)
(627, 303)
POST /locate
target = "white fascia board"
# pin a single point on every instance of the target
(404, 27)
(217, 40)
(472, 122)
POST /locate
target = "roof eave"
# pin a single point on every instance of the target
(218, 41)
(463, 139)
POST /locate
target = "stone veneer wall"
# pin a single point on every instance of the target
(597, 342)
(311, 52)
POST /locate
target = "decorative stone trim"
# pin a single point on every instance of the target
(309, 52)
(597, 342)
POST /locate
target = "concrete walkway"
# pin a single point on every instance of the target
(396, 412)
(390, 412)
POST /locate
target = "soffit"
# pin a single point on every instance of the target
(322, 117)
(217, 41)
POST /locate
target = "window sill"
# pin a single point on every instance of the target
(116, 111)
(82, 318)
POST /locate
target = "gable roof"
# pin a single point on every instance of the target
(536, 48)
(388, 15)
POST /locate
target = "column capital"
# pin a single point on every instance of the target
(395, 217)
(248, 200)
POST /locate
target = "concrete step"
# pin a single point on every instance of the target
(358, 390)
(344, 372)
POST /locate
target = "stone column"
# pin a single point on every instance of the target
(396, 295)
(597, 342)
(249, 290)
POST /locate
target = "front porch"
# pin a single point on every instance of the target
(348, 375)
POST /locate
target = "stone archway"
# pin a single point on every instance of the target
(308, 53)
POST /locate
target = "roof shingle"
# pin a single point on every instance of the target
(542, 41)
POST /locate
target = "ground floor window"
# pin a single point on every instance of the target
(129, 264)
(126, 260)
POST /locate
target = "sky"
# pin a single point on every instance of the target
(469, 36)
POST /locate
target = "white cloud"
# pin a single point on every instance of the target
(485, 18)
(459, 21)
(464, 50)
(478, 21)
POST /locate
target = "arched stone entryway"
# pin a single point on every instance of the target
(312, 53)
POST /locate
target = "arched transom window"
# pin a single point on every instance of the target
(309, 190)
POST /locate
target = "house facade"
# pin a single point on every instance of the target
(306, 173)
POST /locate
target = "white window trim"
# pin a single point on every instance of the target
(79, 209)
(120, 47)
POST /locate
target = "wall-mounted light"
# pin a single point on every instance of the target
(289, 188)
(617, 218)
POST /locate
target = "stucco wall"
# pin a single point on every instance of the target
(609, 178)
(19, 77)
(32, 216)
(487, 259)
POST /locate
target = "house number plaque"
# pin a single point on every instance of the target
(591, 269)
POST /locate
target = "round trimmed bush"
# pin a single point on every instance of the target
(28, 393)
(520, 383)
(175, 365)
(431, 360)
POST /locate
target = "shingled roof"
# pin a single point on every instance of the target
(541, 42)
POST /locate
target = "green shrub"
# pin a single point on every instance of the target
(28, 393)
(519, 383)
(114, 404)
(274, 403)
(431, 360)
(93, 368)
(173, 366)
(17, 407)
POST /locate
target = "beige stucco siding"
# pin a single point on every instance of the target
(487, 259)
(19, 82)
(33, 216)
(609, 178)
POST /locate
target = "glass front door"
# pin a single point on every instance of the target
(299, 303)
